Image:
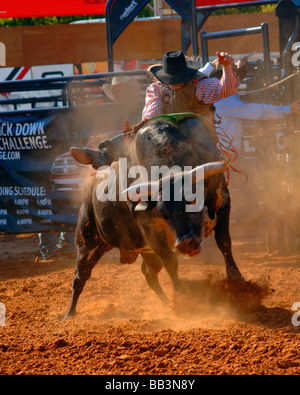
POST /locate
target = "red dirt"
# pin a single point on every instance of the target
(215, 327)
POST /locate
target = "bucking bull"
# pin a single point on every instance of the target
(140, 221)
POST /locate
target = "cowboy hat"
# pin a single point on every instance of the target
(129, 82)
(174, 69)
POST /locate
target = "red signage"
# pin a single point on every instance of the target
(206, 3)
(40, 8)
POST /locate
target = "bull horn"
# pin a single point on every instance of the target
(209, 169)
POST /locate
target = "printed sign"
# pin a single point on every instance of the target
(40, 183)
(33, 8)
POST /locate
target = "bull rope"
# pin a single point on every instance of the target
(274, 85)
(225, 148)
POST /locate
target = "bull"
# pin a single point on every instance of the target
(155, 228)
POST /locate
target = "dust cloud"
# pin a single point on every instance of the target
(219, 298)
(265, 208)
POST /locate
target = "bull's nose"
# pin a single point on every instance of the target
(188, 245)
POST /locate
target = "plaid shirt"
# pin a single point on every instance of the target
(208, 91)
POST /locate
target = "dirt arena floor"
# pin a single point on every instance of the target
(122, 329)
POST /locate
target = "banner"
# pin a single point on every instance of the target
(182, 7)
(33, 8)
(40, 183)
(119, 14)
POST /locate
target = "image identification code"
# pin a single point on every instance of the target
(157, 384)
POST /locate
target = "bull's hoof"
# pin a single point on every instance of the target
(235, 276)
(69, 314)
(164, 300)
(178, 287)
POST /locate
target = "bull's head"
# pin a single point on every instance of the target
(185, 212)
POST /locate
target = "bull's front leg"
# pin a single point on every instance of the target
(223, 240)
(151, 266)
(171, 265)
(158, 241)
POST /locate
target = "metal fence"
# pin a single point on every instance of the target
(65, 91)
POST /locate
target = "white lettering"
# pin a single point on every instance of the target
(24, 221)
(2, 314)
(295, 320)
(11, 155)
(163, 181)
(139, 192)
(2, 55)
(106, 189)
(119, 385)
(195, 200)
(29, 191)
(6, 191)
(296, 55)
(128, 10)
(162, 384)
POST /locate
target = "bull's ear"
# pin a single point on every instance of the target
(143, 196)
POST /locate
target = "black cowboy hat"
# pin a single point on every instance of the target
(175, 69)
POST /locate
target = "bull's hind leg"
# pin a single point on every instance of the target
(90, 248)
(222, 237)
(151, 266)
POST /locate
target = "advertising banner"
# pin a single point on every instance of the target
(33, 8)
(120, 14)
(40, 183)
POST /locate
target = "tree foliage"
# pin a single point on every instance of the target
(43, 21)
(246, 10)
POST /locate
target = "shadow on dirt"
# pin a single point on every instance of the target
(23, 268)
(20, 258)
(272, 318)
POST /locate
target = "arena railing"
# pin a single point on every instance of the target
(74, 90)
